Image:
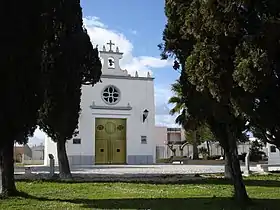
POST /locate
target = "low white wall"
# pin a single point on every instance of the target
(273, 154)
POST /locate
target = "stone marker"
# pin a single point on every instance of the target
(28, 170)
(51, 165)
(247, 164)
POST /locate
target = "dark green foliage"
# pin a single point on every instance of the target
(203, 151)
(91, 65)
(69, 61)
(195, 130)
(183, 118)
(60, 110)
(20, 65)
(21, 90)
(200, 104)
(203, 133)
(259, 134)
(255, 151)
(239, 46)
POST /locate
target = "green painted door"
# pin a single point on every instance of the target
(101, 142)
(110, 141)
(118, 142)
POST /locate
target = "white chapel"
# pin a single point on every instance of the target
(117, 120)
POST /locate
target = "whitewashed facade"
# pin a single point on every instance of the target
(119, 98)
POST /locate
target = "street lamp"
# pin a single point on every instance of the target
(145, 114)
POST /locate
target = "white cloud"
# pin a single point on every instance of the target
(162, 109)
(100, 34)
(39, 134)
(166, 120)
(93, 21)
(163, 118)
(162, 95)
(35, 140)
(38, 137)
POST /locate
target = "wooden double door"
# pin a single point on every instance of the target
(110, 141)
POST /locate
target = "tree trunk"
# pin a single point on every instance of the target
(228, 142)
(208, 148)
(181, 152)
(64, 168)
(174, 152)
(195, 149)
(182, 148)
(240, 193)
(227, 168)
(7, 185)
(222, 152)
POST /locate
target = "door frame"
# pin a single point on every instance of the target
(94, 136)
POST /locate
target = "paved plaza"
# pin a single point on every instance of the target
(139, 169)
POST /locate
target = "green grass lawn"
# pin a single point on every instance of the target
(210, 194)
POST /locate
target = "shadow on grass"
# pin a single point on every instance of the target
(165, 180)
(166, 203)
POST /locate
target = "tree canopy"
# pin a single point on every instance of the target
(21, 78)
(20, 64)
(236, 58)
(71, 61)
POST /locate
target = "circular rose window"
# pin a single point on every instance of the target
(111, 95)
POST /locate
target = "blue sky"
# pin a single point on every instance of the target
(136, 28)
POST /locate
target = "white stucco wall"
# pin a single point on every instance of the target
(273, 157)
(50, 148)
(37, 152)
(160, 141)
(160, 135)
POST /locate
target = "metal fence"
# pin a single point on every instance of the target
(163, 151)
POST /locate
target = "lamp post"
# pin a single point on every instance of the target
(145, 114)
